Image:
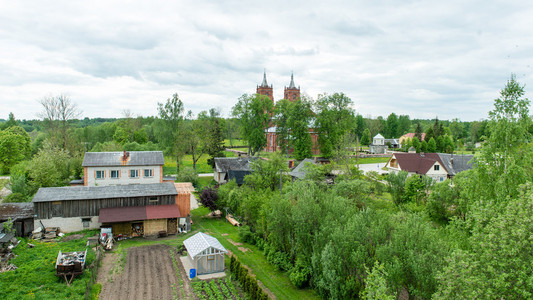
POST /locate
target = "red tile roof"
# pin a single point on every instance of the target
(417, 162)
(138, 213)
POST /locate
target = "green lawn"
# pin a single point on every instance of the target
(186, 161)
(276, 281)
(373, 160)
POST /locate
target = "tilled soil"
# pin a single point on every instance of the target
(148, 274)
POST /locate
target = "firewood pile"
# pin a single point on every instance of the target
(137, 230)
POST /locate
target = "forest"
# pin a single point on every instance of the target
(363, 236)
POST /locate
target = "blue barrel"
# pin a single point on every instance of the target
(192, 273)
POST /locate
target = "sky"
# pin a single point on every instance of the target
(424, 59)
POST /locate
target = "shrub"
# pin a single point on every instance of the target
(188, 175)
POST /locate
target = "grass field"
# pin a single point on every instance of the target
(35, 277)
(373, 160)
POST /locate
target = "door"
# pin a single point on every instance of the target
(172, 225)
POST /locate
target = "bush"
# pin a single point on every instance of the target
(300, 275)
(15, 197)
(279, 259)
(188, 175)
(246, 235)
(209, 198)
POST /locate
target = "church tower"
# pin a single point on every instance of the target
(264, 89)
(292, 93)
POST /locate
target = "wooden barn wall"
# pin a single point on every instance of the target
(83, 208)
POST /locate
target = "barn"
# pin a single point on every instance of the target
(205, 253)
(81, 207)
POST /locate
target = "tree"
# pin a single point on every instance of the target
(300, 118)
(209, 198)
(267, 173)
(52, 166)
(418, 132)
(416, 143)
(57, 113)
(432, 145)
(194, 136)
(366, 139)
(498, 262)
(10, 122)
(335, 119)
(14, 147)
(404, 124)
(360, 126)
(214, 134)
(282, 116)
(376, 286)
(171, 113)
(396, 185)
(391, 126)
(254, 114)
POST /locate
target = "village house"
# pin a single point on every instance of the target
(438, 166)
(119, 168)
(409, 136)
(232, 168)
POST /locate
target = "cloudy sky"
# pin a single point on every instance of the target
(422, 58)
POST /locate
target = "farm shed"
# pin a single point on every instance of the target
(205, 253)
(78, 208)
(21, 214)
(141, 220)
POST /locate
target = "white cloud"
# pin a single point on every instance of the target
(422, 58)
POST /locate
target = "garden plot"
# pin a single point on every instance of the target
(148, 273)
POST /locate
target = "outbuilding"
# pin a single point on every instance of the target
(205, 253)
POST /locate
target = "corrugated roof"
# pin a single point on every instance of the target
(16, 211)
(136, 158)
(138, 213)
(200, 242)
(104, 192)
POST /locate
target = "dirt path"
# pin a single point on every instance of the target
(148, 274)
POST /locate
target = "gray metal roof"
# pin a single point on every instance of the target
(104, 192)
(136, 158)
(299, 171)
(459, 163)
(199, 242)
(224, 164)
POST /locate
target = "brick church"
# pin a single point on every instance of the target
(291, 93)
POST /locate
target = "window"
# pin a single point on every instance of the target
(153, 200)
(134, 173)
(86, 222)
(436, 167)
(115, 174)
(100, 174)
(148, 173)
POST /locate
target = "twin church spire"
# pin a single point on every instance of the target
(291, 93)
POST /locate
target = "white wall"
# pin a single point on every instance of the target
(68, 224)
(439, 175)
(124, 177)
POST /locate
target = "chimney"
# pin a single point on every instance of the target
(125, 157)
